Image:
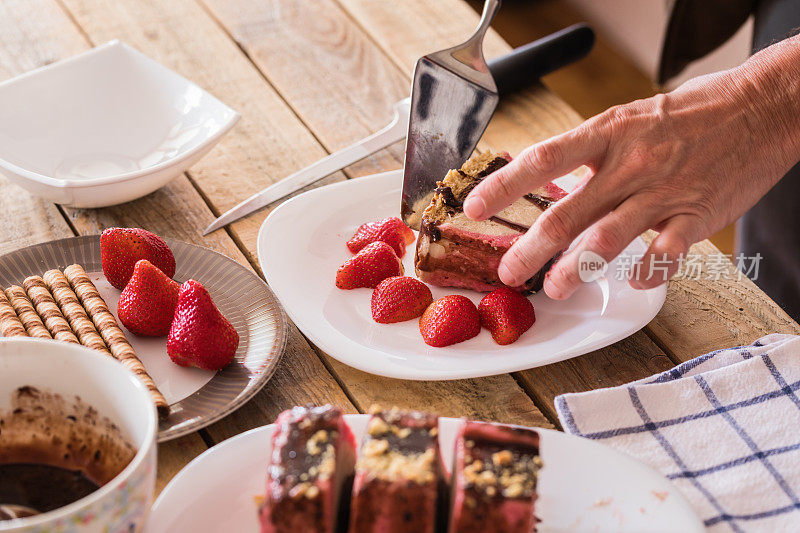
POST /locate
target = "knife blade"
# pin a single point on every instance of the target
(512, 72)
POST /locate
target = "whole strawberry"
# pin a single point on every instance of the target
(449, 320)
(399, 298)
(200, 336)
(121, 248)
(373, 264)
(506, 314)
(392, 231)
(147, 304)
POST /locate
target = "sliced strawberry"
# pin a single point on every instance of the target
(373, 264)
(506, 314)
(147, 304)
(121, 248)
(449, 320)
(399, 298)
(200, 336)
(392, 231)
(400, 226)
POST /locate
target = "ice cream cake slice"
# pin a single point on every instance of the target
(455, 251)
(494, 479)
(310, 471)
(399, 483)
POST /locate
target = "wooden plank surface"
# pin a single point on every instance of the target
(698, 316)
(343, 87)
(210, 57)
(36, 33)
(309, 77)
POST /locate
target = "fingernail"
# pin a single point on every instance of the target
(550, 289)
(506, 276)
(474, 207)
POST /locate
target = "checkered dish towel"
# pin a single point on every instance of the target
(724, 427)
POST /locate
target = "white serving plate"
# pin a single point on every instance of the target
(584, 486)
(302, 244)
(196, 397)
(104, 127)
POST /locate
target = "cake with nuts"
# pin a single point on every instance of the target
(310, 472)
(455, 251)
(494, 479)
(399, 482)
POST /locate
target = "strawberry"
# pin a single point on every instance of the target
(373, 264)
(147, 304)
(200, 336)
(121, 248)
(392, 231)
(506, 314)
(399, 298)
(400, 226)
(449, 320)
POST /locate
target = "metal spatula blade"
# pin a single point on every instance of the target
(453, 97)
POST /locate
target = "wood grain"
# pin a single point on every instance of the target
(698, 316)
(183, 37)
(336, 80)
(267, 144)
(343, 87)
(702, 315)
(630, 359)
(497, 398)
(175, 211)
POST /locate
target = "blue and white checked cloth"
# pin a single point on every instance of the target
(724, 427)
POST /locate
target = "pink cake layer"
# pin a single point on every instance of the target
(494, 479)
(310, 470)
(399, 481)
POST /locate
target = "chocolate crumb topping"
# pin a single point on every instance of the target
(448, 197)
(429, 226)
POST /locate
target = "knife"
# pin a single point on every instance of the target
(512, 72)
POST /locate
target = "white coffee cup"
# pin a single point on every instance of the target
(69, 371)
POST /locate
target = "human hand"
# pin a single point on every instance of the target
(686, 164)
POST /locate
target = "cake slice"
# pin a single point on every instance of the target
(455, 251)
(399, 483)
(494, 479)
(310, 471)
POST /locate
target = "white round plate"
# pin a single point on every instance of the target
(584, 486)
(197, 397)
(302, 244)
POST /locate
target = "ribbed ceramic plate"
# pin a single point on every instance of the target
(197, 397)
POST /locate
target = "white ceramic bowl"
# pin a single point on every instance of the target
(69, 370)
(104, 127)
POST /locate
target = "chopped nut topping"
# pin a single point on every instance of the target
(377, 427)
(375, 447)
(312, 492)
(502, 458)
(313, 444)
(511, 474)
(392, 465)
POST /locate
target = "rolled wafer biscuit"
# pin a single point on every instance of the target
(46, 306)
(73, 311)
(10, 324)
(27, 314)
(107, 325)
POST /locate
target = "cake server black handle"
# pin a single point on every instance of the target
(525, 65)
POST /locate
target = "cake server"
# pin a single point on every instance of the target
(513, 71)
(454, 95)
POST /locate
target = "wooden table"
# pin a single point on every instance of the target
(310, 77)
